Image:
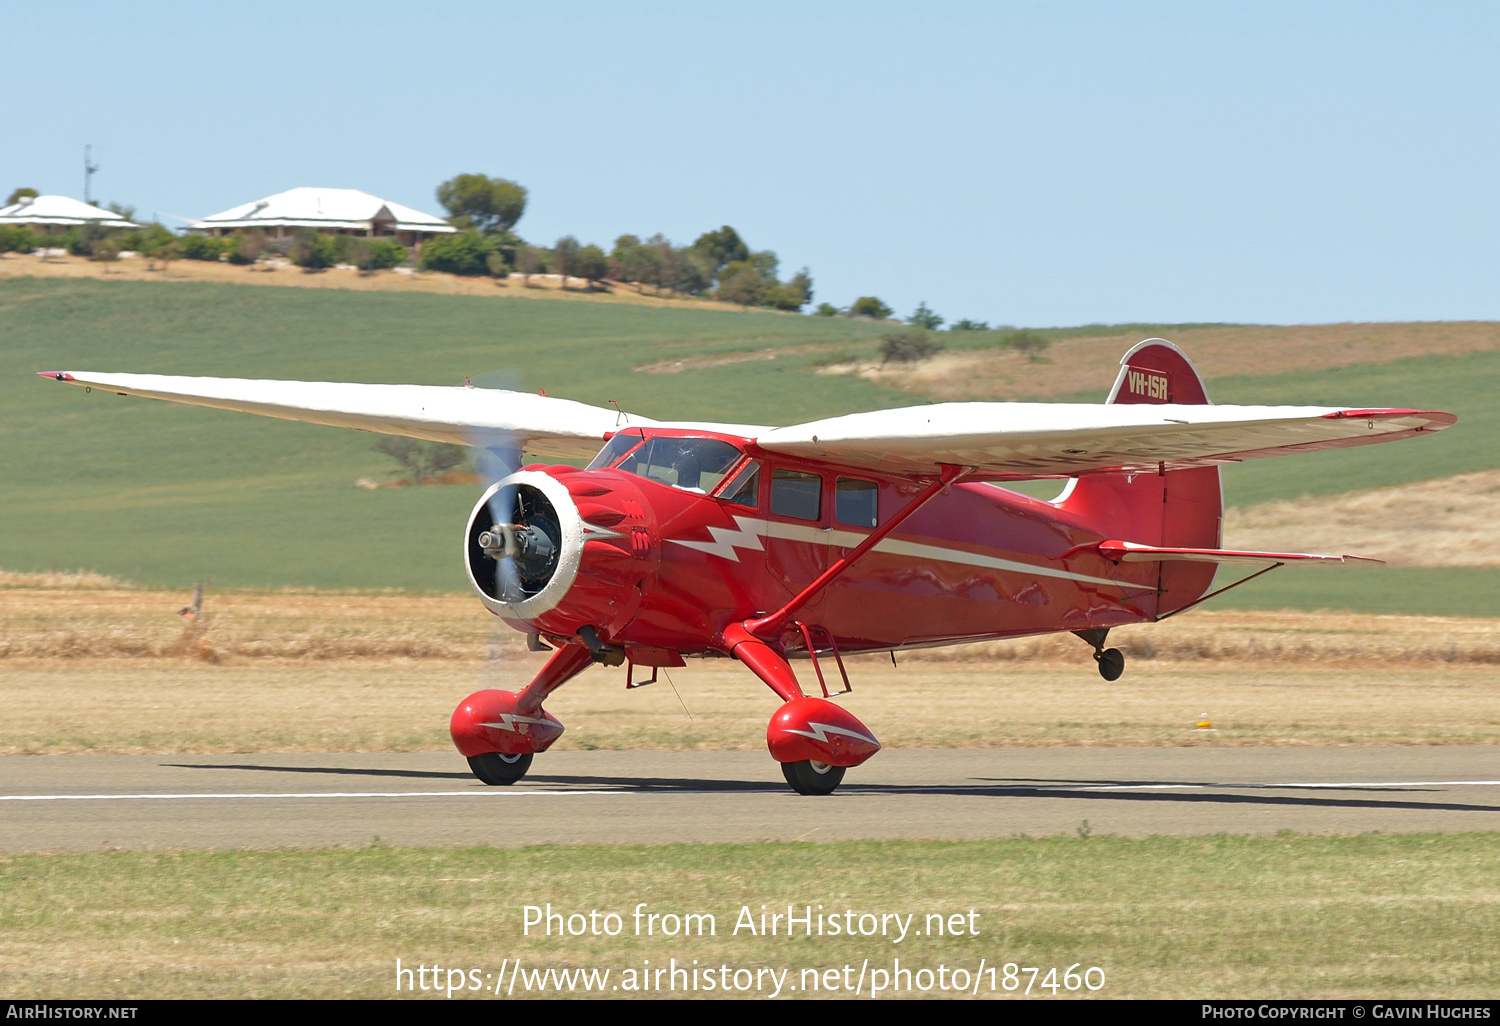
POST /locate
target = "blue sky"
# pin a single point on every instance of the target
(1037, 164)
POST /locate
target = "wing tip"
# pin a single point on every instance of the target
(56, 375)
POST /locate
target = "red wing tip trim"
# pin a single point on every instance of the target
(55, 375)
(1134, 552)
(1433, 416)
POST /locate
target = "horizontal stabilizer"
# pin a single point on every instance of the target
(1135, 552)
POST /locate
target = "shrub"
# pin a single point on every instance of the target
(16, 238)
(146, 240)
(105, 251)
(246, 247)
(826, 310)
(465, 253)
(313, 250)
(908, 346)
(1029, 343)
(497, 266)
(371, 254)
(422, 460)
(202, 247)
(81, 239)
(869, 306)
(968, 325)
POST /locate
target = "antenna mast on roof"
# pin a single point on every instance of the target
(88, 172)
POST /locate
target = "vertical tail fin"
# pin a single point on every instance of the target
(1174, 508)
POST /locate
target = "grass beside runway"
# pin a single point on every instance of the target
(1287, 916)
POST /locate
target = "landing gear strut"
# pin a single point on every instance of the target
(1111, 660)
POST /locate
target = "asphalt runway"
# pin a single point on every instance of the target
(93, 802)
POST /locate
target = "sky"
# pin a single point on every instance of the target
(1030, 164)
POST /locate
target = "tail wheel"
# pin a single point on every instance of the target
(808, 777)
(1111, 663)
(494, 768)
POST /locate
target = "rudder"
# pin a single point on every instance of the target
(1172, 508)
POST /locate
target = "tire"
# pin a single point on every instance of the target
(1111, 663)
(807, 777)
(495, 769)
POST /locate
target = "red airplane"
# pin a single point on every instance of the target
(873, 532)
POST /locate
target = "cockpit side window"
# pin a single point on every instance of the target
(744, 490)
(613, 449)
(856, 502)
(795, 494)
(694, 464)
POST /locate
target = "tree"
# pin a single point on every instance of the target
(590, 263)
(826, 310)
(869, 306)
(908, 346)
(565, 257)
(126, 212)
(643, 264)
(803, 284)
(924, 318)
(529, 261)
(22, 193)
(488, 205)
(16, 238)
(722, 248)
(741, 283)
(466, 253)
(968, 325)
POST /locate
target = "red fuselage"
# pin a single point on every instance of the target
(675, 566)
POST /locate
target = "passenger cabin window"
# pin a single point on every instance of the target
(694, 464)
(795, 494)
(744, 490)
(856, 502)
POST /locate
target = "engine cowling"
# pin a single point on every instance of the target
(556, 549)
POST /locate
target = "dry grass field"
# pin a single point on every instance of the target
(1448, 521)
(1083, 364)
(88, 665)
(540, 286)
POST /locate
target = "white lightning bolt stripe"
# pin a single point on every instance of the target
(751, 531)
(508, 722)
(820, 732)
(726, 541)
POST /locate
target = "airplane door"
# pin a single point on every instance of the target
(796, 539)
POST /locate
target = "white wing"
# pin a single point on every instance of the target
(559, 428)
(1022, 440)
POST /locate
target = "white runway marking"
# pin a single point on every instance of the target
(295, 794)
(523, 792)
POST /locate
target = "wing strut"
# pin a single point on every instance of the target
(773, 624)
(1220, 591)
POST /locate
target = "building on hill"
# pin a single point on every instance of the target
(54, 215)
(336, 211)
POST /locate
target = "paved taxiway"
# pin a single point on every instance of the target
(89, 802)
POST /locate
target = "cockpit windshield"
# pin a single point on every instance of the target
(696, 464)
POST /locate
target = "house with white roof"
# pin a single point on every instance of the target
(337, 211)
(53, 215)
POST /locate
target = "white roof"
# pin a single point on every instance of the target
(323, 208)
(60, 210)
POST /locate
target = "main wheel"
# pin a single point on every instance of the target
(1111, 663)
(808, 777)
(494, 768)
